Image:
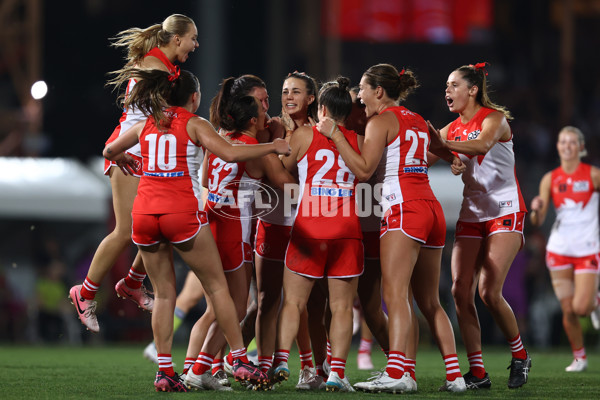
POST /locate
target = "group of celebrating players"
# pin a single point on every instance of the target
(317, 151)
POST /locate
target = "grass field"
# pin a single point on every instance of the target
(120, 372)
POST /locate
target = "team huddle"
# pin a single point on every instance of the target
(325, 144)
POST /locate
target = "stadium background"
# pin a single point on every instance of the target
(543, 67)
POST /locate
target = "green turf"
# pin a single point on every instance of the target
(120, 372)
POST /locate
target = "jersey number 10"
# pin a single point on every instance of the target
(161, 152)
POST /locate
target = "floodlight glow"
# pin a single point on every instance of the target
(39, 90)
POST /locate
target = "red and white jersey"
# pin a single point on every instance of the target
(231, 191)
(169, 182)
(327, 206)
(132, 116)
(575, 231)
(403, 166)
(491, 188)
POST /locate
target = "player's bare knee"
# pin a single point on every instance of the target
(461, 292)
(428, 307)
(582, 308)
(491, 298)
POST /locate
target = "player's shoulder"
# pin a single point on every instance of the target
(198, 121)
(152, 62)
(494, 116)
(302, 134)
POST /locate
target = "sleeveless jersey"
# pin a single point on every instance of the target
(491, 188)
(131, 116)
(403, 166)
(169, 181)
(327, 206)
(575, 232)
(231, 189)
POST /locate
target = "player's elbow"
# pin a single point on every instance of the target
(483, 148)
(106, 153)
(364, 176)
(232, 157)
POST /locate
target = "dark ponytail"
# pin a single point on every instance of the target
(397, 85)
(240, 110)
(230, 88)
(218, 105)
(156, 90)
(335, 95)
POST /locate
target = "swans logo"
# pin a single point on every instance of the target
(137, 166)
(474, 134)
(581, 186)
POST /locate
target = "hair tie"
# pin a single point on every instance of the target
(402, 72)
(175, 74)
(480, 66)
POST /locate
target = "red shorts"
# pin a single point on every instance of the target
(581, 265)
(149, 229)
(233, 237)
(371, 244)
(316, 258)
(234, 254)
(421, 220)
(271, 240)
(137, 171)
(480, 230)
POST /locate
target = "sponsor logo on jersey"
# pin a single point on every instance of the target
(473, 135)
(406, 112)
(415, 170)
(164, 174)
(215, 198)
(331, 192)
(562, 187)
(505, 203)
(581, 186)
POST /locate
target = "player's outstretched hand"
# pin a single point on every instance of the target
(432, 130)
